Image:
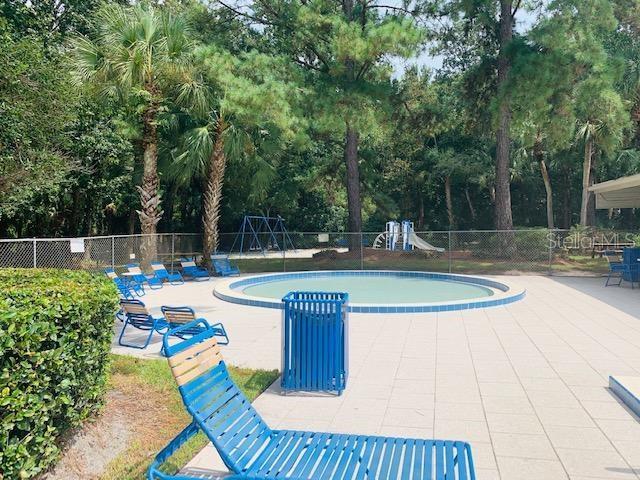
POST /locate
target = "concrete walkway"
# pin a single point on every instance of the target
(525, 384)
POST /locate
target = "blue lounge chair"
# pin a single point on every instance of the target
(137, 316)
(191, 270)
(139, 277)
(252, 450)
(126, 289)
(161, 273)
(619, 269)
(223, 267)
(176, 317)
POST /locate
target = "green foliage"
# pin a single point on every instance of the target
(37, 101)
(55, 336)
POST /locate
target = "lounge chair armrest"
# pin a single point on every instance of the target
(154, 472)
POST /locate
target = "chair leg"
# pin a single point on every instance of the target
(221, 332)
(133, 345)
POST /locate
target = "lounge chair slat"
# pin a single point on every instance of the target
(395, 460)
(333, 450)
(439, 454)
(418, 468)
(312, 455)
(209, 344)
(386, 461)
(461, 461)
(428, 459)
(409, 447)
(359, 457)
(206, 358)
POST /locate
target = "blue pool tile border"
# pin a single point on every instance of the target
(241, 299)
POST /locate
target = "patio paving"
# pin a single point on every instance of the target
(525, 384)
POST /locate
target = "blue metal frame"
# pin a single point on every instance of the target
(224, 268)
(140, 321)
(252, 450)
(315, 341)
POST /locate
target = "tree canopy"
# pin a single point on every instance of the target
(339, 115)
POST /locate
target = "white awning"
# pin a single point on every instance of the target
(623, 192)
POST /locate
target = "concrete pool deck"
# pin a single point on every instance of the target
(525, 383)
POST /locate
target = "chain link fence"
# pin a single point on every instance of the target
(535, 251)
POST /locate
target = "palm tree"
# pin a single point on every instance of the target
(232, 104)
(138, 53)
(204, 154)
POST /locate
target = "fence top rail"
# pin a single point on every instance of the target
(193, 234)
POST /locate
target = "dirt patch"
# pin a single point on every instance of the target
(90, 449)
(135, 416)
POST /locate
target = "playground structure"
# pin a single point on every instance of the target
(260, 234)
(401, 236)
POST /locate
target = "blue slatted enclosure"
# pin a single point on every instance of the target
(315, 342)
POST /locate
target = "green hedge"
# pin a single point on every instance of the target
(55, 336)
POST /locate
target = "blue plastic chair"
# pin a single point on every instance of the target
(176, 317)
(162, 274)
(138, 317)
(140, 278)
(191, 270)
(224, 268)
(252, 450)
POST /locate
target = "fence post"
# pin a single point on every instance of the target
(449, 249)
(549, 270)
(35, 255)
(284, 252)
(361, 251)
(113, 252)
(173, 249)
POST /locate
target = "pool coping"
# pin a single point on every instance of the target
(225, 290)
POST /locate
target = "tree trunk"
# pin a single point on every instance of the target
(449, 201)
(353, 187)
(131, 223)
(586, 180)
(213, 196)
(170, 203)
(150, 212)
(420, 223)
(591, 204)
(538, 154)
(503, 216)
(566, 200)
(472, 210)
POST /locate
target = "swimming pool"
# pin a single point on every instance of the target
(375, 291)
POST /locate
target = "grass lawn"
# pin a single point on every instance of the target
(145, 393)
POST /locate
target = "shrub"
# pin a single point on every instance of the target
(55, 336)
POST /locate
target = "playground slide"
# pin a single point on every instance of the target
(417, 242)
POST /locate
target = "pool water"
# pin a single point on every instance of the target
(374, 289)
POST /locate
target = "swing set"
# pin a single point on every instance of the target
(260, 234)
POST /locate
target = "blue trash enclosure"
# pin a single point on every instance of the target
(630, 257)
(315, 342)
